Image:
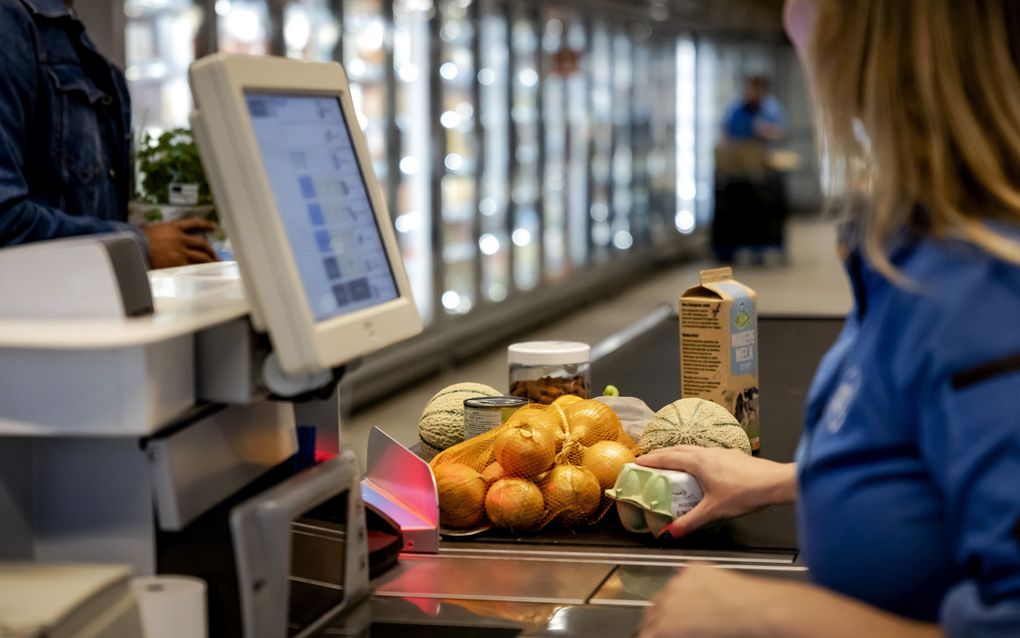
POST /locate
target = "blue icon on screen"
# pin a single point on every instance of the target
(340, 294)
(324, 240)
(307, 186)
(332, 267)
(315, 215)
(359, 289)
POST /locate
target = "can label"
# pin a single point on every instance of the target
(485, 414)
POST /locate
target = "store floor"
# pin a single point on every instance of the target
(812, 282)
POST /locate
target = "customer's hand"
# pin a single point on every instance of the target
(709, 602)
(734, 483)
(712, 602)
(179, 243)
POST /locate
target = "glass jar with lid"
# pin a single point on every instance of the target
(543, 371)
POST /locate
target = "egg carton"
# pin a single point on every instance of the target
(648, 499)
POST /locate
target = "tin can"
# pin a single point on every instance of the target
(486, 413)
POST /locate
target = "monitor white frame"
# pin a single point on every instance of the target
(248, 209)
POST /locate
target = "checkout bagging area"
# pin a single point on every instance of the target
(158, 476)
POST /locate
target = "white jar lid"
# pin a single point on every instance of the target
(549, 352)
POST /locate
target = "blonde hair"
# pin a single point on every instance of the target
(919, 109)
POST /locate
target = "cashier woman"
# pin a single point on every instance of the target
(65, 139)
(907, 479)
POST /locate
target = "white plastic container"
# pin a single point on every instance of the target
(543, 371)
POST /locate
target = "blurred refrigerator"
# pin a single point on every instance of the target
(458, 157)
(160, 41)
(520, 146)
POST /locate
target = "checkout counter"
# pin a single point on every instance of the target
(598, 580)
(149, 421)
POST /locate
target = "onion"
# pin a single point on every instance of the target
(493, 472)
(538, 418)
(461, 492)
(592, 421)
(567, 400)
(605, 459)
(515, 504)
(572, 492)
(524, 451)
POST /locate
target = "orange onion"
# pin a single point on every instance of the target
(592, 421)
(524, 451)
(540, 418)
(515, 504)
(605, 459)
(572, 492)
(493, 472)
(567, 400)
(461, 492)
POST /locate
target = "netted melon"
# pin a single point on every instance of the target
(442, 422)
(694, 422)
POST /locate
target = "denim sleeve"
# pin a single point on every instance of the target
(21, 219)
(970, 438)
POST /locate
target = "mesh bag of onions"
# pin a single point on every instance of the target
(546, 464)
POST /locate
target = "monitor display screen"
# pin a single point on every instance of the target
(323, 201)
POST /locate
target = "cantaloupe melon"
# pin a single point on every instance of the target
(442, 422)
(694, 422)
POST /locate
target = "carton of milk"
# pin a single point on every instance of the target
(719, 347)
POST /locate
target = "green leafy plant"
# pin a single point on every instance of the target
(170, 158)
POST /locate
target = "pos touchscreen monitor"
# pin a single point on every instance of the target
(290, 173)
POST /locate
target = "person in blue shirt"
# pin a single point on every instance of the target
(65, 139)
(907, 478)
(756, 116)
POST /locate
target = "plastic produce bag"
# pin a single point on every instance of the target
(633, 412)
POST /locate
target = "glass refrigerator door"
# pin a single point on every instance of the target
(602, 140)
(458, 186)
(494, 106)
(310, 30)
(686, 189)
(579, 140)
(557, 65)
(662, 163)
(412, 210)
(157, 57)
(365, 33)
(641, 137)
(527, 147)
(243, 26)
(623, 158)
(709, 127)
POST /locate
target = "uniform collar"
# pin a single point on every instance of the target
(48, 8)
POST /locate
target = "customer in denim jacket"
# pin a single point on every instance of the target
(65, 139)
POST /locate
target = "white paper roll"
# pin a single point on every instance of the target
(171, 606)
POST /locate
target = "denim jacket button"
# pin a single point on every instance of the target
(112, 173)
(106, 100)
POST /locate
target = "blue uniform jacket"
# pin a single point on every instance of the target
(909, 467)
(741, 117)
(65, 132)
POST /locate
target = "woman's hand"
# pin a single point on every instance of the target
(179, 243)
(733, 482)
(711, 602)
